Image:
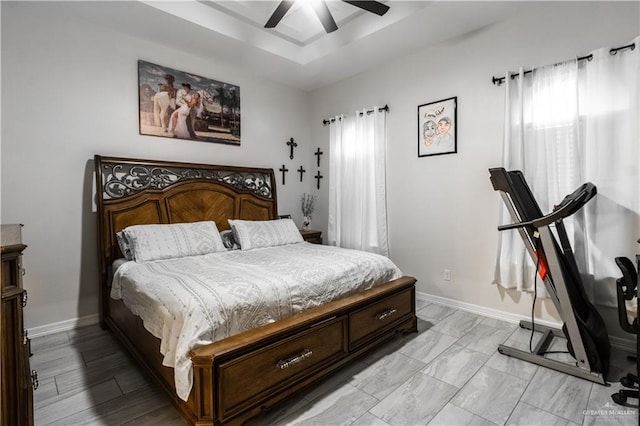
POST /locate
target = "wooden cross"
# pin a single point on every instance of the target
(318, 153)
(291, 144)
(301, 171)
(318, 177)
(284, 170)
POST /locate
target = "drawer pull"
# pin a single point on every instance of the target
(386, 314)
(34, 379)
(24, 298)
(286, 363)
(25, 337)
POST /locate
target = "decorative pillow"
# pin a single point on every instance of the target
(229, 240)
(255, 234)
(125, 247)
(154, 242)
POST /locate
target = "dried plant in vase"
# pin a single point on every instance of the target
(308, 204)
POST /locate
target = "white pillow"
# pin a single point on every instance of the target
(255, 234)
(154, 242)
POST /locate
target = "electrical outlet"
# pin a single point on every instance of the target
(447, 275)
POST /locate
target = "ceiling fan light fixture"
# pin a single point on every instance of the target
(324, 14)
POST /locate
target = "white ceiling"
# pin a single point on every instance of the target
(299, 37)
(297, 52)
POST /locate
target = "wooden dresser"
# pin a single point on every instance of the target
(17, 379)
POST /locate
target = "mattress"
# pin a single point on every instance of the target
(194, 301)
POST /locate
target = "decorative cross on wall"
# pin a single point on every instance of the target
(301, 171)
(284, 170)
(318, 153)
(291, 144)
(318, 176)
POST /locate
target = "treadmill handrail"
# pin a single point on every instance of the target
(569, 205)
(515, 225)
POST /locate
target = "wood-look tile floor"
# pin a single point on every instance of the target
(447, 374)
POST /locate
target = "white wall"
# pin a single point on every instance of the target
(69, 91)
(442, 209)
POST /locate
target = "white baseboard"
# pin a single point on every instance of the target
(627, 345)
(482, 310)
(57, 327)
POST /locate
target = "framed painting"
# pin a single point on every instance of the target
(179, 104)
(437, 128)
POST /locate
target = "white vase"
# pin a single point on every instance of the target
(305, 223)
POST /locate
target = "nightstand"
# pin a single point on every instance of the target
(311, 236)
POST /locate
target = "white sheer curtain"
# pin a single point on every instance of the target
(541, 140)
(611, 105)
(567, 124)
(357, 182)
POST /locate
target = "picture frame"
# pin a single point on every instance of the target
(178, 104)
(437, 127)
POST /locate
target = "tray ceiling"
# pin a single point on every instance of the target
(298, 52)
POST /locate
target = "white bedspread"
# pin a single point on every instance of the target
(194, 301)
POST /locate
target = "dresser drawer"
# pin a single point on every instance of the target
(368, 322)
(249, 379)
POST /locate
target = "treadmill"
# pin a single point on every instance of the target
(583, 327)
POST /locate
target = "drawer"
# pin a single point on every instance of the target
(368, 322)
(250, 379)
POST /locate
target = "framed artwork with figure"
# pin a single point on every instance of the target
(182, 105)
(437, 128)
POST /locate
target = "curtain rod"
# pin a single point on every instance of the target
(333, 120)
(499, 80)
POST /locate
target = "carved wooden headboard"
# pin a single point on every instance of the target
(134, 192)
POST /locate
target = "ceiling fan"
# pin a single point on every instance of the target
(323, 13)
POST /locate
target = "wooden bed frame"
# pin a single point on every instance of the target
(241, 376)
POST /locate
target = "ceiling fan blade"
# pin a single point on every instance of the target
(322, 10)
(279, 13)
(370, 6)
